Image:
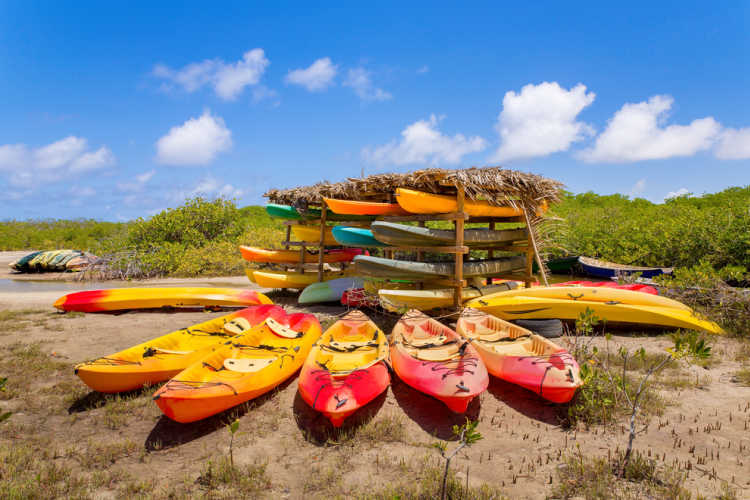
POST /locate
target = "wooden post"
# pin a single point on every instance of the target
(529, 262)
(301, 263)
(535, 250)
(288, 236)
(491, 252)
(459, 225)
(321, 248)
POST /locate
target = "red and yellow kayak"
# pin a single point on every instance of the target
(161, 358)
(350, 207)
(118, 299)
(345, 369)
(254, 254)
(435, 360)
(520, 357)
(242, 369)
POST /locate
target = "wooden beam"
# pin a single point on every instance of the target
(532, 241)
(322, 246)
(459, 266)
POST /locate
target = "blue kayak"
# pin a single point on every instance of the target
(604, 269)
(355, 237)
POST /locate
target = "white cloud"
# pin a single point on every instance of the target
(195, 142)
(261, 93)
(540, 120)
(209, 187)
(636, 132)
(138, 184)
(733, 144)
(424, 69)
(82, 192)
(28, 167)
(227, 79)
(638, 188)
(318, 76)
(360, 80)
(675, 194)
(422, 143)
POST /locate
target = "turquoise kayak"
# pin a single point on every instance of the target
(291, 213)
(328, 291)
(356, 237)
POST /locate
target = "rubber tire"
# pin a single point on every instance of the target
(547, 328)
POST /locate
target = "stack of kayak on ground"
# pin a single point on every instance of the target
(226, 361)
(53, 261)
(295, 265)
(417, 230)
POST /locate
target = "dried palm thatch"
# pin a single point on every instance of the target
(499, 186)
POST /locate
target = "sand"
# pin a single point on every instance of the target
(520, 453)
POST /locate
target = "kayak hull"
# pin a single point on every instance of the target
(424, 300)
(328, 291)
(356, 236)
(203, 389)
(117, 299)
(144, 364)
(291, 213)
(311, 235)
(350, 207)
(281, 279)
(403, 235)
(419, 202)
(262, 255)
(399, 269)
(603, 269)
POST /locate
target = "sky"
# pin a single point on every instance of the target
(119, 110)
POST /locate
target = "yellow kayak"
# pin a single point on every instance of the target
(162, 358)
(419, 202)
(507, 305)
(598, 294)
(311, 235)
(281, 279)
(424, 300)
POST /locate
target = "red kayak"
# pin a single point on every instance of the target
(435, 360)
(345, 369)
(635, 287)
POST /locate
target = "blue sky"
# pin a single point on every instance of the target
(115, 111)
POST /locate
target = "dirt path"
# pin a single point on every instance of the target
(705, 428)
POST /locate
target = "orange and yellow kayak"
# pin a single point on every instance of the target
(419, 202)
(254, 254)
(161, 358)
(242, 369)
(520, 357)
(117, 299)
(351, 207)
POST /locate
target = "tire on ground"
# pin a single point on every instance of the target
(548, 328)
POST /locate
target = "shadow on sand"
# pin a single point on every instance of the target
(94, 399)
(318, 430)
(168, 434)
(431, 414)
(526, 402)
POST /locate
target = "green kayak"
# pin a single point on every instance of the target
(287, 212)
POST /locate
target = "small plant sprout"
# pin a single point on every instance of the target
(7, 414)
(467, 435)
(232, 428)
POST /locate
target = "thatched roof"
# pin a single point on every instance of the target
(499, 186)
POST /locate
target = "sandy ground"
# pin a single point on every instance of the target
(705, 426)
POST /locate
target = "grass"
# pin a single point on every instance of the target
(238, 481)
(743, 376)
(595, 478)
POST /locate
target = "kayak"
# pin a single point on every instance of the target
(598, 294)
(117, 299)
(248, 365)
(604, 269)
(520, 357)
(162, 358)
(346, 368)
(283, 279)
(355, 236)
(419, 202)
(635, 287)
(401, 269)
(311, 235)
(512, 305)
(424, 300)
(435, 360)
(291, 213)
(22, 264)
(328, 291)
(349, 207)
(403, 235)
(253, 254)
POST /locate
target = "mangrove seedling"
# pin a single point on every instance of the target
(467, 435)
(7, 414)
(232, 428)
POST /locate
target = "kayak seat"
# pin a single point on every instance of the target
(237, 326)
(281, 330)
(442, 353)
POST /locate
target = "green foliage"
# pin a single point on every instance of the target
(680, 232)
(467, 435)
(690, 344)
(81, 234)
(7, 414)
